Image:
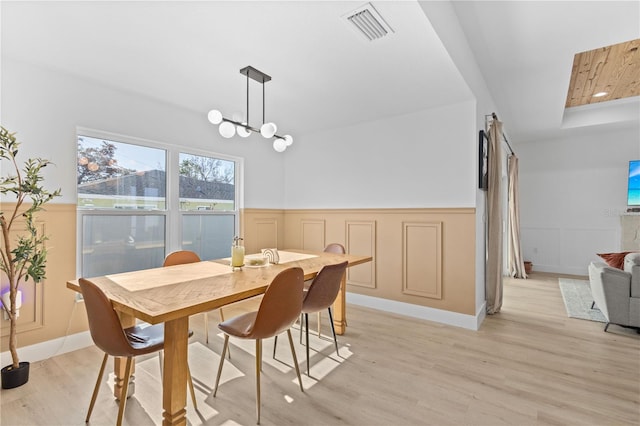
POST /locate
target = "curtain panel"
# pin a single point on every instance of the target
(494, 265)
(516, 260)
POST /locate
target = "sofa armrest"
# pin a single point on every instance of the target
(610, 288)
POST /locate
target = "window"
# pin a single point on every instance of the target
(207, 184)
(139, 200)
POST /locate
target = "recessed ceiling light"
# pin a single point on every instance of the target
(600, 94)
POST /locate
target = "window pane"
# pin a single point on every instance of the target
(121, 243)
(210, 236)
(206, 183)
(117, 175)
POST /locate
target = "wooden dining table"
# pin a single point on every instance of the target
(170, 295)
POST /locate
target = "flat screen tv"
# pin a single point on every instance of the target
(633, 186)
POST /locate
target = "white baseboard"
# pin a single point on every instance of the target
(469, 322)
(50, 348)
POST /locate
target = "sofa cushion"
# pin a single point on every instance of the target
(615, 260)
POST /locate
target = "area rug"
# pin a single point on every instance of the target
(577, 300)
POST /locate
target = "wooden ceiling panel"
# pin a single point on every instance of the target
(614, 70)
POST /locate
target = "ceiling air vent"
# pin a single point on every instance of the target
(368, 22)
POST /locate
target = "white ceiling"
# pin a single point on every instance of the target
(324, 74)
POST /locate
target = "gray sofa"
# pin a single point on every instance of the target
(616, 292)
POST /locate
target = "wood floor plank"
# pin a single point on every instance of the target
(528, 365)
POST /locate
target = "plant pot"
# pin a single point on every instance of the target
(14, 377)
(528, 267)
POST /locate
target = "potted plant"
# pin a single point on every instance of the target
(23, 256)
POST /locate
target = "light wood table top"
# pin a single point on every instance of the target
(172, 294)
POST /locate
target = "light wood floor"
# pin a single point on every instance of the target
(528, 365)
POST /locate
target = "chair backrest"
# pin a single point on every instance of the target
(335, 248)
(104, 324)
(180, 257)
(324, 288)
(280, 306)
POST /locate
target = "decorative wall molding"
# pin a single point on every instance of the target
(313, 234)
(32, 310)
(448, 248)
(266, 232)
(361, 239)
(422, 259)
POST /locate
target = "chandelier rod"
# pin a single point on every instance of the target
(248, 99)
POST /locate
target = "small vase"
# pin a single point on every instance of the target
(14, 377)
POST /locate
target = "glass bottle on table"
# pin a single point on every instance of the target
(237, 254)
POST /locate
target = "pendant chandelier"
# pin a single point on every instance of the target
(229, 127)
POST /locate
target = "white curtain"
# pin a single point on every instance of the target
(494, 220)
(516, 261)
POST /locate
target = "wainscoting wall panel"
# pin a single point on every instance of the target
(361, 239)
(422, 259)
(49, 310)
(313, 232)
(31, 312)
(261, 228)
(267, 233)
(566, 250)
(381, 234)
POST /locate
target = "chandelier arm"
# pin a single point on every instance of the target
(248, 127)
(237, 123)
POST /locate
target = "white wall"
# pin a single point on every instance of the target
(443, 17)
(44, 107)
(573, 191)
(423, 159)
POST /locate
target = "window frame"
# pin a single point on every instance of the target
(172, 213)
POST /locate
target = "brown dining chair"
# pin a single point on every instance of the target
(280, 307)
(335, 248)
(108, 335)
(182, 257)
(320, 296)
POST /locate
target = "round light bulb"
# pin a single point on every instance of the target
(243, 132)
(268, 130)
(279, 144)
(215, 116)
(227, 130)
(288, 139)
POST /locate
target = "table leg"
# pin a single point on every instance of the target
(174, 379)
(119, 363)
(340, 308)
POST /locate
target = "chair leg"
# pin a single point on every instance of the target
(258, 368)
(301, 324)
(593, 304)
(224, 350)
(333, 330)
(221, 320)
(319, 323)
(306, 331)
(606, 327)
(125, 389)
(206, 328)
(295, 359)
(97, 387)
(275, 344)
